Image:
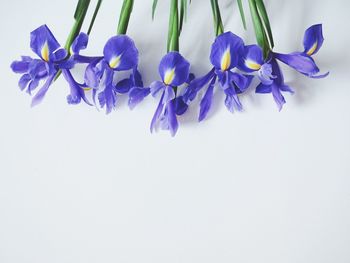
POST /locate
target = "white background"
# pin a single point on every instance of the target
(257, 186)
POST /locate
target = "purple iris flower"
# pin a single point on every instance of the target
(51, 59)
(269, 72)
(119, 54)
(225, 54)
(174, 71)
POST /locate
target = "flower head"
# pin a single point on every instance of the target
(119, 54)
(174, 71)
(51, 58)
(225, 56)
(269, 72)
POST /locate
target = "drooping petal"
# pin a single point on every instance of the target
(313, 39)
(180, 105)
(196, 85)
(232, 101)
(207, 101)
(79, 43)
(263, 89)
(136, 95)
(21, 66)
(252, 59)
(240, 81)
(37, 68)
(91, 77)
(174, 69)
(33, 85)
(169, 94)
(23, 81)
(171, 116)
(43, 42)
(42, 92)
(76, 91)
(136, 78)
(226, 50)
(121, 53)
(123, 86)
(155, 87)
(157, 114)
(108, 98)
(278, 97)
(300, 62)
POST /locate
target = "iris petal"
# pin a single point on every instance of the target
(121, 53)
(313, 39)
(300, 62)
(174, 69)
(43, 42)
(226, 50)
(207, 101)
(251, 59)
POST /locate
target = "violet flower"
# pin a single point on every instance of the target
(51, 60)
(119, 54)
(174, 71)
(225, 53)
(269, 72)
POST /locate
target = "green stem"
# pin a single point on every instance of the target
(79, 19)
(173, 32)
(218, 25)
(125, 16)
(79, 15)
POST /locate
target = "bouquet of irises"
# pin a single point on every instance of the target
(234, 65)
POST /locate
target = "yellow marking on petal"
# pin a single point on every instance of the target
(252, 65)
(169, 76)
(226, 60)
(115, 62)
(87, 89)
(312, 49)
(45, 52)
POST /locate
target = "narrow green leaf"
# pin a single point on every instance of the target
(241, 11)
(218, 26)
(154, 6)
(183, 13)
(258, 27)
(125, 16)
(265, 19)
(97, 8)
(81, 6)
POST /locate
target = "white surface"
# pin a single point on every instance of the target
(258, 186)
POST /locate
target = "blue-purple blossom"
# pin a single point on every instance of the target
(269, 72)
(51, 58)
(174, 71)
(119, 54)
(225, 54)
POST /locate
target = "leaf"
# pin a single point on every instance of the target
(80, 9)
(94, 16)
(263, 14)
(183, 13)
(154, 6)
(219, 28)
(258, 27)
(241, 11)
